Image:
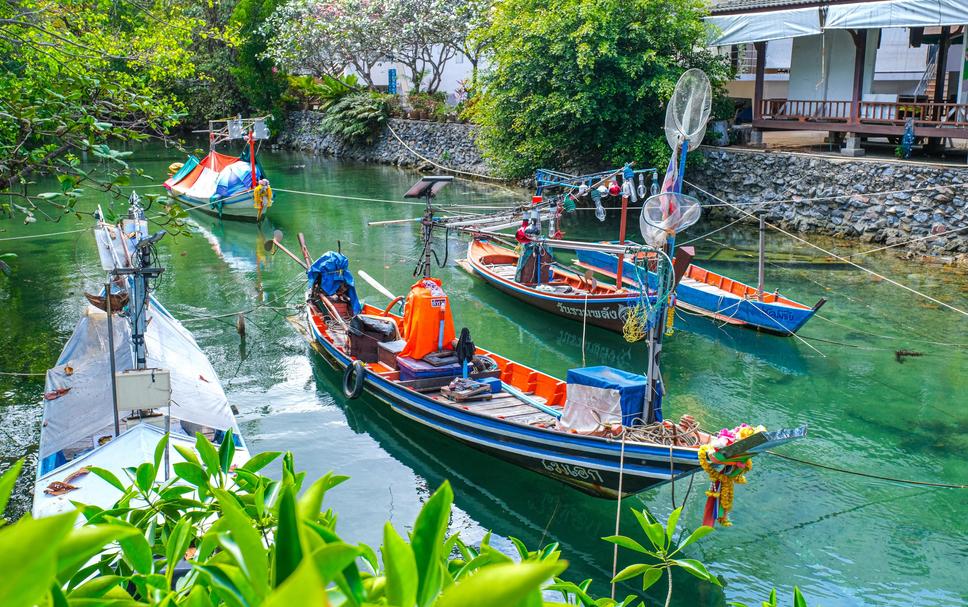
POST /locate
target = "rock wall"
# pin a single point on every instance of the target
(845, 198)
(449, 144)
(873, 200)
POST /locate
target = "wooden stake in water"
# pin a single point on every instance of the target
(761, 262)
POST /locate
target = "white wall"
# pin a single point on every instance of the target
(822, 66)
(457, 69)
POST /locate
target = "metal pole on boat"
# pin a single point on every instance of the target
(428, 233)
(621, 241)
(761, 261)
(114, 379)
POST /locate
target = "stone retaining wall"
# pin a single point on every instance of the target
(928, 199)
(449, 144)
(796, 191)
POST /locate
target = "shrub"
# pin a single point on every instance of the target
(584, 82)
(357, 117)
(218, 535)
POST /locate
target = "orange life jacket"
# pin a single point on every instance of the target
(427, 305)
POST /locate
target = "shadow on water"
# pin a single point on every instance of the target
(503, 497)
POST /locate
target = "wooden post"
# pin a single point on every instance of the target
(758, 85)
(941, 73)
(761, 259)
(860, 55)
(936, 144)
(621, 240)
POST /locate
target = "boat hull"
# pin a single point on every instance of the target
(594, 465)
(776, 318)
(240, 207)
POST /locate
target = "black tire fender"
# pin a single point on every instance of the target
(353, 379)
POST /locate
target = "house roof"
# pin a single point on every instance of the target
(731, 7)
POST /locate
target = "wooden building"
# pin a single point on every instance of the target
(833, 51)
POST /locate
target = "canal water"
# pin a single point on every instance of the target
(843, 539)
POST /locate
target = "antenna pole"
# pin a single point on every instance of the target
(761, 261)
(621, 241)
(114, 379)
(428, 233)
(252, 155)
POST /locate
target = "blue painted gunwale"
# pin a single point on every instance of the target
(771, 317)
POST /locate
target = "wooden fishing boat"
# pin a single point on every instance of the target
(719, 297)
(110, 407)
(508, 425)
(564, 292)
(223, 186)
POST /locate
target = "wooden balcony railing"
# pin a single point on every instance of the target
(874, 113)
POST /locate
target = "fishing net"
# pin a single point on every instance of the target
(665, 214)
(688, 109)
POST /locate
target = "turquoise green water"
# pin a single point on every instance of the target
(845, 540)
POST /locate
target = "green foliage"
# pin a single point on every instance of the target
(214, 536)
(323, 91)
(662, 550)
(358, 116)
(76, 78)
(585, 81)
(798, 600)
(261, 86)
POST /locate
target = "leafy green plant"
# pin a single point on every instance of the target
(589, 82)
(798, 600)
(427, 103)
(218, 535)
(663, 549)
(357, 117)
(325, 90)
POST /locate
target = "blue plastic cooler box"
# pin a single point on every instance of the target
(419, 369)
(631, 387)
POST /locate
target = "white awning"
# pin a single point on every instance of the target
(758, 27)
(792, 23)
(900, 13)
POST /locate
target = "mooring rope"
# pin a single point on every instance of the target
(44, 235)
(867, 474)
(841, 258)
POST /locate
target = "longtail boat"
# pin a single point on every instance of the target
(223, 186)
(129, 375)
(597, 431)
(719, 297)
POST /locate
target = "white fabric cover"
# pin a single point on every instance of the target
(204, 186)
(899, 13)
(587, 407)
(757, 27)
(116, 246)
(197, 394)
(130, 448)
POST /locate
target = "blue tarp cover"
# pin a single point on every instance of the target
(333, 269)
(631, 387)
(235, 178)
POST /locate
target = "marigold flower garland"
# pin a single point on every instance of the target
(724, 472)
